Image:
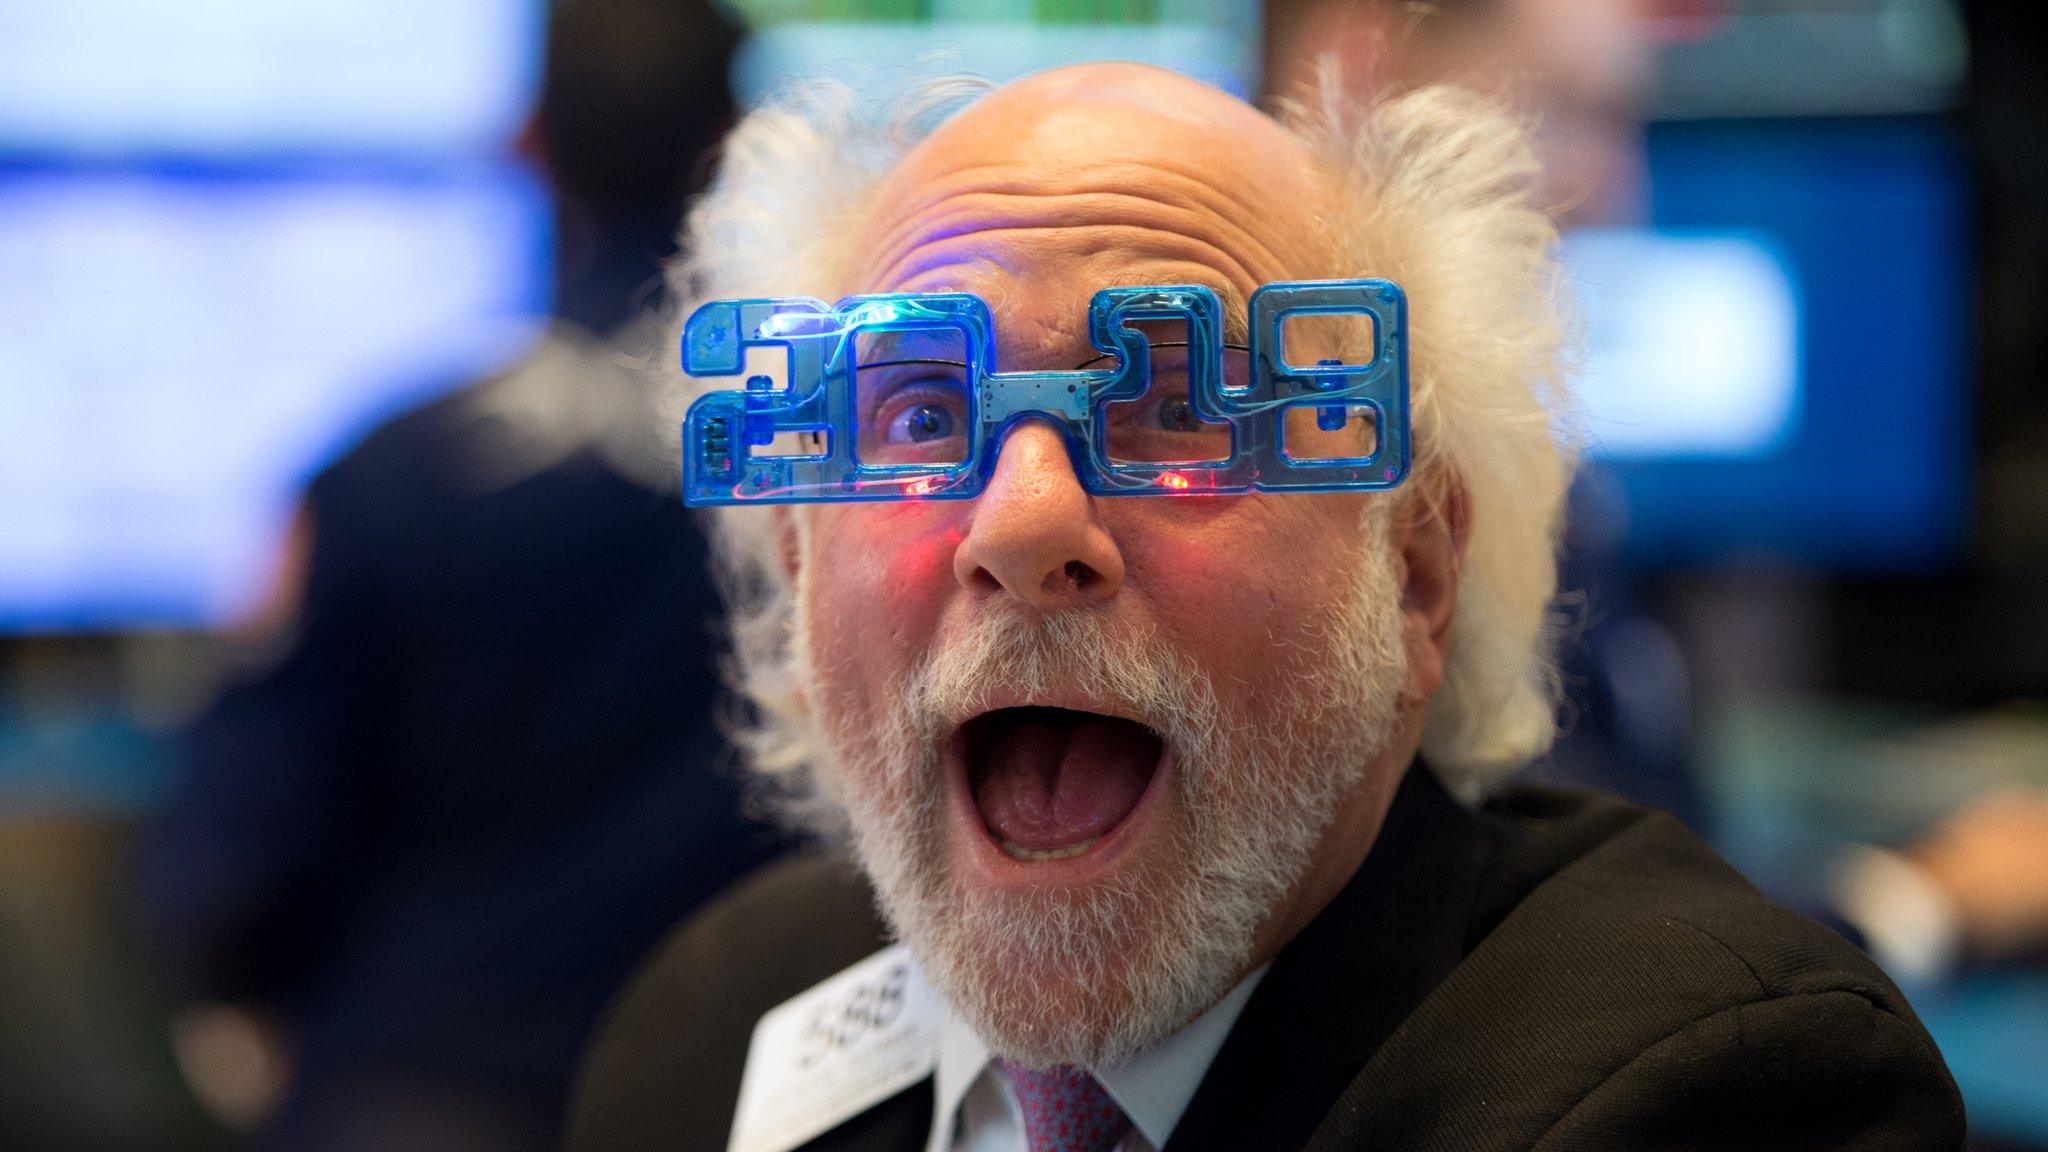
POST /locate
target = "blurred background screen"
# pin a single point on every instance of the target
(1780, 366)
(232, 236)
(239, 79)
(1213, 40)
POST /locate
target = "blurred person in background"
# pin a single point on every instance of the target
(480, 772)
(1969, 893)
(1578, 68)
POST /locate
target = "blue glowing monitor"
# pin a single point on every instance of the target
(237, 77)
(232, 236)
(1780, 365)
(176, 355)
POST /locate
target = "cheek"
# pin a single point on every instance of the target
(879, 578)
(1247, 590)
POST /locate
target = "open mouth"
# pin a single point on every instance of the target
(1050, 783)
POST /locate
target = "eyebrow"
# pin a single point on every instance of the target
(1231, 302)
(925, 345)
(909, 346)
(1096, 359)
(1237, 327)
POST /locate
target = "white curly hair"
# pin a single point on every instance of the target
(1435, 191)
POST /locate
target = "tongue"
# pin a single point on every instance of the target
(1048, 779)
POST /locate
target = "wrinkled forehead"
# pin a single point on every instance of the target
(1034, 200)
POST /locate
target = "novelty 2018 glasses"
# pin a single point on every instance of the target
(898, 397)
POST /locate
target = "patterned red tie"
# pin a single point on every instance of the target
(1065, 1109)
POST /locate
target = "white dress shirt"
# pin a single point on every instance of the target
(973, 1109)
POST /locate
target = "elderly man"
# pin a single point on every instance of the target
(1177, 805)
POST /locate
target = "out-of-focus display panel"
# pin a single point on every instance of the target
(232, 236)
(176, 353)
(1216, 41)
(1763, 58)
(231, 77)
(1781, 366)
(1694, 345)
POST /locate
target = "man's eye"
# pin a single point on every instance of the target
(1175, 414)
(920, 423)
(922, 411)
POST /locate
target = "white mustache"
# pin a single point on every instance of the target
(1008, 657)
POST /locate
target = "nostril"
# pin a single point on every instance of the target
(1078, 575)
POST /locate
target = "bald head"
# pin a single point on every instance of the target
(1090, 176)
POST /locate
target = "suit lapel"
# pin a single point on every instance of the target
(1340, 988)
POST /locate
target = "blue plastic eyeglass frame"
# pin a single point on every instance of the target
(724, 428)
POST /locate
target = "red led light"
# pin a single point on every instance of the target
(920, 487)
(1174, 480)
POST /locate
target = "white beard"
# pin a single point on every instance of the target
(1091, 975)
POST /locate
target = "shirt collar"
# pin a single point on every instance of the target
(1153, 1087)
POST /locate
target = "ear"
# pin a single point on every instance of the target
(1429, 536)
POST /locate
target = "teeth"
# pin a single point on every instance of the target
(1019, 852)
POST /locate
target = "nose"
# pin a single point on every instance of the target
(1034, 533)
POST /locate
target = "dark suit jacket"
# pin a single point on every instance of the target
(1556, 970)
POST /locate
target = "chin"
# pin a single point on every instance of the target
(1083, 958)
(1086, 956)
(1080, 971)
